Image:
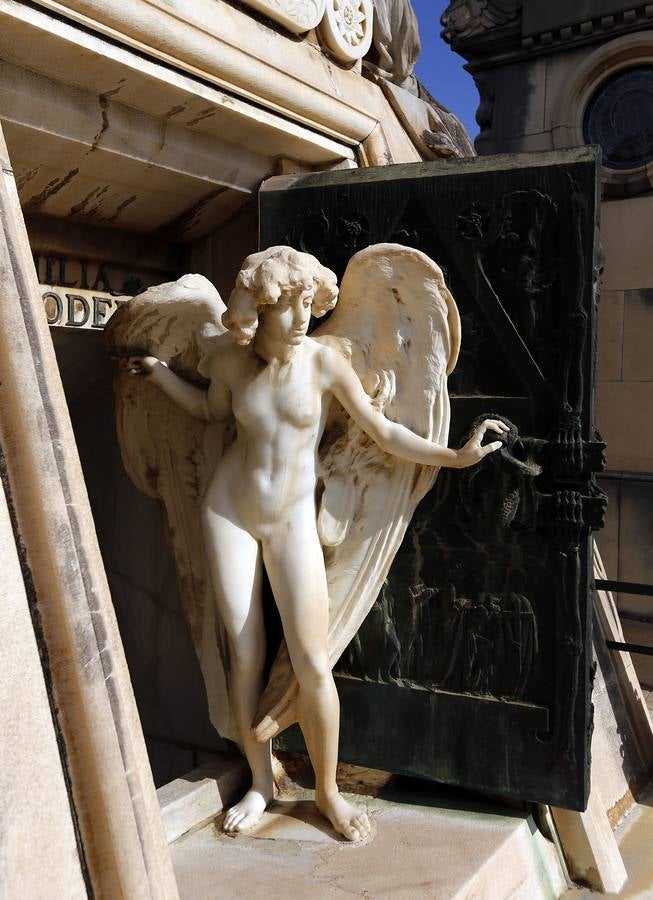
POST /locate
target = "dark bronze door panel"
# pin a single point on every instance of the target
(473, 668)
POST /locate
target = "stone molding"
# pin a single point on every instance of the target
(566, 124)
(495, 30)
(591, 29)
(301, 87)
(109, 781)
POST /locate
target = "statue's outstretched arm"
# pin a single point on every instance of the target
(397, 439)
(193, 399)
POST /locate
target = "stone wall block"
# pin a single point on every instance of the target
(610, 338)
(111, 786)
(623, 417)
(638, 336)
(626, 227)
(39, 856)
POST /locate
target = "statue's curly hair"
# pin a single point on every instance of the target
(265, 276)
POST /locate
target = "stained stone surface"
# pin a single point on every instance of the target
(634, 839)
(423, 848)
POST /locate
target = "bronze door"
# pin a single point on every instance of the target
(473, 668)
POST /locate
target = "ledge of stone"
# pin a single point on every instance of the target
(196, 798)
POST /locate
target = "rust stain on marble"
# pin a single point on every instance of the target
(174, 111)
(104, 100)
(120, 209)
(51, 188)
(22, 180)
(81, 207)
(191, 217)
(203, 114)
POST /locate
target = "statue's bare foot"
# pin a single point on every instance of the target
(247, 811)
(348, 820)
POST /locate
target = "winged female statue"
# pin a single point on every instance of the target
(302, 454)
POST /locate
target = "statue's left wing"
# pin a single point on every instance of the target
(398, 325)
(170, 455)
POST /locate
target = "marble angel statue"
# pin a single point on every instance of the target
(304, 455)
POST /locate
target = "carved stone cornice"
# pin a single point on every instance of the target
(298, 16)
(588, 30)
(494, 32)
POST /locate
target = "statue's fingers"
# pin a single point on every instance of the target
(490, 448)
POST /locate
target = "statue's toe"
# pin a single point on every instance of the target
(351, 833)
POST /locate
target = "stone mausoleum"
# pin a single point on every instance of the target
(144, 140)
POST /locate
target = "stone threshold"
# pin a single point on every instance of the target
(415, 851)
(189, 802)
(427, 841)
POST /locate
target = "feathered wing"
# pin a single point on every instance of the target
(170, 455)
(399, 326)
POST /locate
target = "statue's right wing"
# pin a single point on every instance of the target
(170, 455)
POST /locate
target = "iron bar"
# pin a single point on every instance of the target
(624, 587)
(629, 648)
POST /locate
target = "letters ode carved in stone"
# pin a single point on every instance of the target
(305, 455)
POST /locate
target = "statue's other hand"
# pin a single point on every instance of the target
(473, 452)
(140, 365)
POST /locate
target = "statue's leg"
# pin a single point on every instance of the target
(295, 566)
(235, 563)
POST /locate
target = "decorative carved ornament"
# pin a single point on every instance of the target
(464, 18)
(345, 26)
(297, 16)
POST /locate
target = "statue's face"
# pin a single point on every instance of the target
(287, 320)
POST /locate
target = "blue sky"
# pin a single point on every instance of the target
(441, 69)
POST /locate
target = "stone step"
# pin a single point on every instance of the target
(425, 844)
(634, 836)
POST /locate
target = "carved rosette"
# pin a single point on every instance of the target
(298, 16)
(346, 28)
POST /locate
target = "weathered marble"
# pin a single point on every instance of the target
(396, 46)
(428, 845)
(237, 502)
(298, 16)
(347, 28)
(37, 819)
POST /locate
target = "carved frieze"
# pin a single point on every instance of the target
(345, 26)
(297, 16)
